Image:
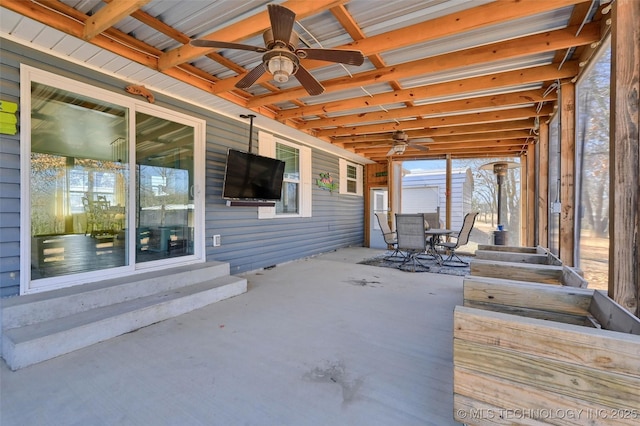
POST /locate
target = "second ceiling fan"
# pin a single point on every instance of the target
(401, 141)
(282, 55)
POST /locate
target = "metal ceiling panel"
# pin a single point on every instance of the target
(389, 89)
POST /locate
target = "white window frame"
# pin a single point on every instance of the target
(29, 74)
(344, 178)
(267, 147)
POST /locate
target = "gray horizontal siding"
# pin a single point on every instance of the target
(247, 242)
(9, 184)
(337, 221)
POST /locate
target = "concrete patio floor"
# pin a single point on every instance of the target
(320, 341)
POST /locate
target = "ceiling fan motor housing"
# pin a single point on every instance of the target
(270, 43)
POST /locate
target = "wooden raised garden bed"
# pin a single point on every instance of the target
(531, 353)
(535, 255)
(530, 272)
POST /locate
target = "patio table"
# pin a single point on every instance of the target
(436, 234)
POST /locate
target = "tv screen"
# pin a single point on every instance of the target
(252, 177)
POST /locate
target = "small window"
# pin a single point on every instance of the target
(350, 178)
(289, 203)
(296, 185)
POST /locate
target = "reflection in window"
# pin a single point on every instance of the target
(77, 187)
(165, 177)
(592, 160)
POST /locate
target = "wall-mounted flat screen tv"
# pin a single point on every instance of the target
(252, 177)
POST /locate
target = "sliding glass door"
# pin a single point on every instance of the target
(110, 186)
(164, 188)
(79, 175)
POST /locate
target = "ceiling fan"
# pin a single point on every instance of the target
(282, 55)
(401, 141)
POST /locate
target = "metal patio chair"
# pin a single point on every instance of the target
(461, 239)
(411, 239)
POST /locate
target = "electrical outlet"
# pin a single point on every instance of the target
(217, 240)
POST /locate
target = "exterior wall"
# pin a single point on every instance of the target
(461, 192)
(9, 184)
(248, 243)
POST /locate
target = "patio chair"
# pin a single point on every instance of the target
(462, 238)
(389, 237)
(411, 239)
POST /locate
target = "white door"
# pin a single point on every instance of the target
(379, 203)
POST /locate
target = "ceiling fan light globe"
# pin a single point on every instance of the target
(399, 149)
(281, 68)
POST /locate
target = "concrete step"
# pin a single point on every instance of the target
(34, 308)
(29, 344)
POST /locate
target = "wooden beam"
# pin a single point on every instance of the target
(515, 146)
(447, 193)
(624, 198)
(252, 26)
(567, 172)
(110, 14)
(514, 48)
(492, 101)
(465, 20)
(442, 155)
(515, 134)
(454, 130)
(443, 121)
(455, 87)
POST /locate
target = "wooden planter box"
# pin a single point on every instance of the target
(530, 272)
(534, 255)
(527, 353)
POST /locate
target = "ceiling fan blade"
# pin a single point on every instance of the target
(420, 147)
(282, 20)
(225, 45)
(421, 140)
(251, 77)
(308, 81)
(349, 57)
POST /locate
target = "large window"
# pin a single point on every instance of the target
(592, 166)
(108, 184)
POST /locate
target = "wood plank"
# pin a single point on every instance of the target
(505, 256)
(545, 297)
(438, 122)
(486, 400)
(553, 259)
(514, 249)
(549, 375)
(613, 316)
(515, 98)
(110, 15)
(528, 45)
(624, 199)
(588, 347)
(530, 313)
(471, 84)
(474, 412)
(571, 278)
(548, 274)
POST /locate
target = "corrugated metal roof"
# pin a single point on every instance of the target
(194, 19)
